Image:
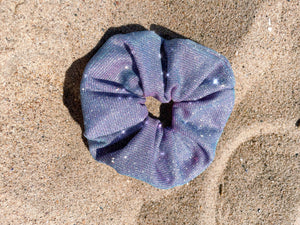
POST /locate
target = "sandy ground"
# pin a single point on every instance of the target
(47, 173)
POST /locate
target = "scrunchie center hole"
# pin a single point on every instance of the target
(161, 111)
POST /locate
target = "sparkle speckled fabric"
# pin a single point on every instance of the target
(130, 67)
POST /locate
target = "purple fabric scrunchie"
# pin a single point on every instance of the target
(130, 67)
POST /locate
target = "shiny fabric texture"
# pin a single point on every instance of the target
(130, 67)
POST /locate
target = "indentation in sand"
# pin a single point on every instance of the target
(258, 180)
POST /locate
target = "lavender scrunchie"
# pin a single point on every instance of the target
(130, 67)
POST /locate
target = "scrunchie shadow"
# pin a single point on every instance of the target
(71, 89)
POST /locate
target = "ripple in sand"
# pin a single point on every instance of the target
(260, 183)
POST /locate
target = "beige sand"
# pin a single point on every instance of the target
(47, 173)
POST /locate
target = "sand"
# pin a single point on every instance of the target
(47, 173)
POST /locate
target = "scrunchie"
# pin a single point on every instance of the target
(130, 67)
